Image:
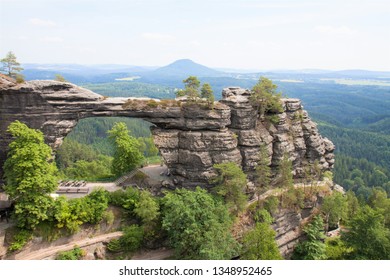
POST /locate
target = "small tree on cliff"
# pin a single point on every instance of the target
(313, 248)
(191, 88)
(127, 153)
(207, 93)
(231, 184)
(263, 171)
(11, 66)
(30, 175)
(285, 172)
(60, 78)
(259, 243)
(265, 98)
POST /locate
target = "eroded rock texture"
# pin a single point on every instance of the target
(191, 138)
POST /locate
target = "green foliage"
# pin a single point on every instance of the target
(93, 132)
(191, 89)
(30, 176)
(80, 161)
(19, 78)
(259, 243)
(11, 66)
(147, 208)
(334, 208)
(71, 214)
(90, 170)
(19, 239)
(335, 249)
(313, 248)
(109, 217)
(127, 155)
(368, 236)
(96, 204)
(231, 184)
(194, 95)
(265, 98)
(59, 78)
(263, 216)
(75, 254)
(207, 92)
(285, 172)
(130, 241)
(271, 204)
(132, 89)
(263, 170)
(126, 199)
(197, 225)
(65, 215)
(293, 199)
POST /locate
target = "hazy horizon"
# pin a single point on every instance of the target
(244, 35)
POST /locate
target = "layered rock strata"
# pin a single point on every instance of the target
(191, 138)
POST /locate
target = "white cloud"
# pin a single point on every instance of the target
(49, 39)
(42, 22)
(335, 30)
(159, 37)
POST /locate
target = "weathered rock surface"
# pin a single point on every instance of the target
(190, 138)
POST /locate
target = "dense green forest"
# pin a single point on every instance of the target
(87, 153)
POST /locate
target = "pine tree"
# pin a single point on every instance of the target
(263, 171)
(11, 66)
(285, 172)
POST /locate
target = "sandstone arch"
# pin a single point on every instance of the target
(190, 138)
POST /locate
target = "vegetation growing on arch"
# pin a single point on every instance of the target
(194, 94)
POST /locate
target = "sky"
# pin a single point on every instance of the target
(241, 34)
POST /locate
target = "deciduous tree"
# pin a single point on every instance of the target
(368, 236)
(198, 225)
(127, 155)
(30, 175)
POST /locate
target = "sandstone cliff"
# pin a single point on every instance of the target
(190, 138)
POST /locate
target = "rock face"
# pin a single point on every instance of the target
(190, 138)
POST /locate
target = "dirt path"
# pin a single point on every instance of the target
(44, 253)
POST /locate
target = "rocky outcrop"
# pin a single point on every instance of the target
(191, 138)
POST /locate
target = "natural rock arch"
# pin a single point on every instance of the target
(190, 138)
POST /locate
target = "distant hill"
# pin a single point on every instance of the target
(185, 67)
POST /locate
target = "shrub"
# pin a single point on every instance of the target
(130, 241)
(109, 217)
(271, 204)
(20, 239)
(152, 103)
(75, 254)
